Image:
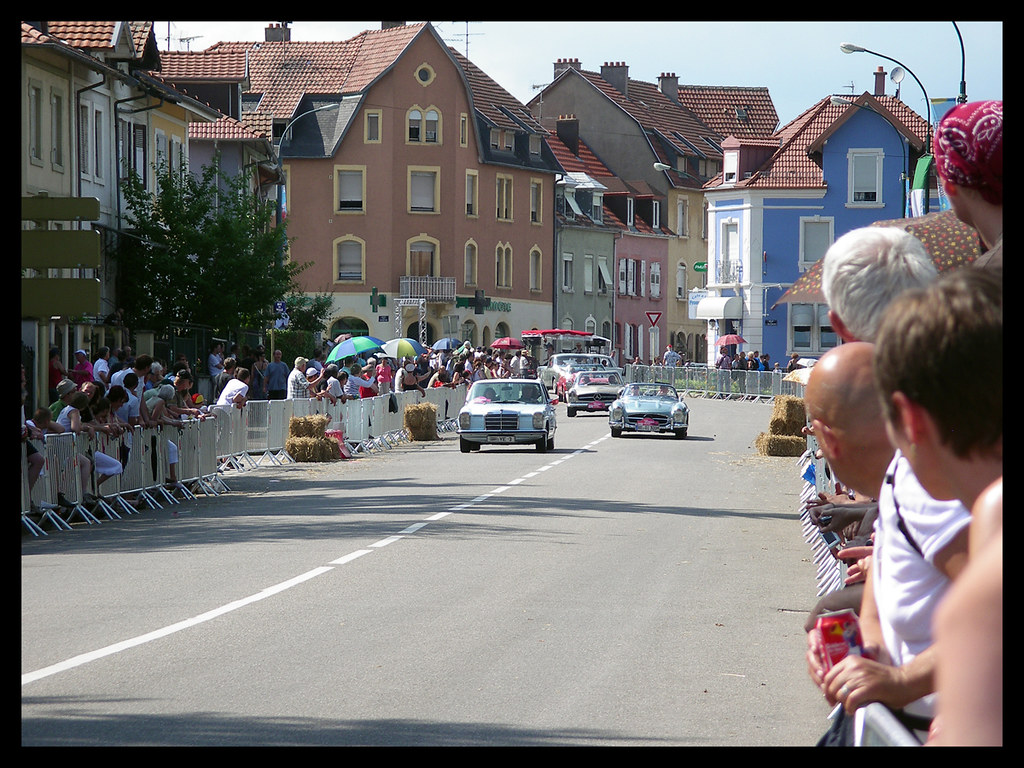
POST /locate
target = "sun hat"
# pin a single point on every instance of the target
(65, 386)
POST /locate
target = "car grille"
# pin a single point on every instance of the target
(501, 421)
(634, 418)
(586, 397)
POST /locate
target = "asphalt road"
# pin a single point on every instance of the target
(633, 591)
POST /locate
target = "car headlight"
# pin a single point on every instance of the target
(615, 412)
(464, 420)
(679, 415)
(572, 396)
(538, 420)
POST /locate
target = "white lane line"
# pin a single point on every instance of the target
(351, 556)
(269, 591)
(85, 658)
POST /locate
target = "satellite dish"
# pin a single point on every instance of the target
(897, 74)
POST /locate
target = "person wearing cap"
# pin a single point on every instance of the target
(82, 372)
(65, 388)
(968, 147)
(298, 384)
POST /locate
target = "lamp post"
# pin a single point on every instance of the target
(904, 170)
(925, 183)
(280, 162)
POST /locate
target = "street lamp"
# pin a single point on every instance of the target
(924, 163)
(280, 162)
(904, 171)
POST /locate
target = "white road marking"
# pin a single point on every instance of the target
(124, 645)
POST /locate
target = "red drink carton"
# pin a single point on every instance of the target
(840, 635)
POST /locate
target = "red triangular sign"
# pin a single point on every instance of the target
(653, 318)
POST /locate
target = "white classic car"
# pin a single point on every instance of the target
(592, 390)
(507, 412)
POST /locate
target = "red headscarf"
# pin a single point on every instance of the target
(969, 148)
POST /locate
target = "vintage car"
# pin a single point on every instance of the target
(592, 390)
(565, 380)
(649, 408)
(507, 412)
(559, 364)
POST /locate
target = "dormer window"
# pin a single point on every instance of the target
(731, 162)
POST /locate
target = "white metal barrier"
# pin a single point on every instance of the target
(202, 451)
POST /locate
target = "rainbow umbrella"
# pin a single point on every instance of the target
(354, 347)
(399, 348)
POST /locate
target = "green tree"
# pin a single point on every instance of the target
(200, 250)
(309, 313)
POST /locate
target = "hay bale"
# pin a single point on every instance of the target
(780, 445)
(788, 416)
(421, 421)
(308, 426)
(308, 449)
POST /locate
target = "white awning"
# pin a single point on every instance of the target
(720, 308)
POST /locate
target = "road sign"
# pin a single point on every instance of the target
(700, 266)
(653, 318)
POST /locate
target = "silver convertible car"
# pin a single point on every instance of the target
(507, 412)
(649, 408)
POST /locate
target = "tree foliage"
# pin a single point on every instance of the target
(201, 250)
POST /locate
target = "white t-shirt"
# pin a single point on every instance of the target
(100, 366)
(232, 388)
(907, 585)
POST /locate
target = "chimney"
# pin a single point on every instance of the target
(616, 74)
(567, 128)
(563, 64)
(669, 85)
(880, 81)
(278, 33)
(391, 24)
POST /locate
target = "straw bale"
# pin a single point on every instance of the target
(780, 445)
(309, 449)
(421, 421)
(788, 416)
(308, 426)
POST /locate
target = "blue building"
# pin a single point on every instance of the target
(782, 200)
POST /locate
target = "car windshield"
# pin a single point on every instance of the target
(578, 360)
(596, 379)
(492, 391)
(651, 390)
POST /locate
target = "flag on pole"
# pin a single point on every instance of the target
(921, 188)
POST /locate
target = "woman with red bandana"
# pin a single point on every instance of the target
(969, 161)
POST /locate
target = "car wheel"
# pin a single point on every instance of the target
(542, 445)
(551, 443)
(464, 445)
(570, 412)
(681, 434)
(616, 432)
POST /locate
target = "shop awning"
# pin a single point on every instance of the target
(720, 308)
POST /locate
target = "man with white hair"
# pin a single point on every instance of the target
(864, 270)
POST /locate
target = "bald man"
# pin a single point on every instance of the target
(846, 414)
(920, 546)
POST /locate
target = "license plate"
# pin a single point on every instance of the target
(500, 439)
(597, 406)
(646, 427)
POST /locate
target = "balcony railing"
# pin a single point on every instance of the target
(434, 290)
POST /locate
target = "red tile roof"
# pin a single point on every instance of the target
(225, 129)
(182, 66)
(284, 71)
(732, 110)
(795, 165)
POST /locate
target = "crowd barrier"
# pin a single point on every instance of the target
(167, 464)
(697, 380)
(874, 724)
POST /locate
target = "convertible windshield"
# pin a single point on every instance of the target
(595, 379)
(492, 391)
(651, 390)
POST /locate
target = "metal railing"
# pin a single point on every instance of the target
(201, 452)
(697, 380)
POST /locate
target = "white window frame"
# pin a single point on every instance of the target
(806, 258)
(821, 337)
(857, 160)
(567, 272)
(588, 273)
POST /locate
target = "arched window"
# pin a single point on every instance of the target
(352, 325)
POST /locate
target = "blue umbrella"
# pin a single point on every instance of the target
(354, 347)
(448, 343)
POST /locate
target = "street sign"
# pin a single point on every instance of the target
(653, 318)
(700, 266)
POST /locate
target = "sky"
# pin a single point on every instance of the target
(800, 62)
